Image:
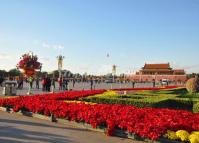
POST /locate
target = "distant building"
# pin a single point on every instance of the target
(158, 72)
(160, 69)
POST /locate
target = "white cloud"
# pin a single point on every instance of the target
(58, 47)
(45, 45)
(4, 56)
(52, 46)
(44, 59)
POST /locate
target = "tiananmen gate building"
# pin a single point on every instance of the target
(158, 72)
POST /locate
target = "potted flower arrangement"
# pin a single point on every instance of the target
(29, 64)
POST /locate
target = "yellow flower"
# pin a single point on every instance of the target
(107, 93)
(171, 135)
(194, 138)
(195, 132)
(110, 92)
(183, 135)
(75, 101)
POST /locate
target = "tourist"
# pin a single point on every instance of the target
(30, 81)
(133, 84)
(37, 82)
(96, 81)
(65, 84)
(167, 83)
(26, 80)
(53, 82)
(60, 82)
(153, 83)
(73, 83)
(48, 84)
(43, 82)
(20, 83)
(1, 80)
(91, 83)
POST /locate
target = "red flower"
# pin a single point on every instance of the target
(145, 122)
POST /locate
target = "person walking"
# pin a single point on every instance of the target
(43, 82)
(65, 84)
(53, 82)
(37, 82)
(73, 83)
(20, 83)
(1, 80)
(153, 83)
(60, 82)
(48, 84)
(133, 84)
(31, 82)
(91, 83)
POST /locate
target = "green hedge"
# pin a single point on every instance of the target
(172, 98)
(196, 108)
(179, 91)
(175, 104)
(161, 103)
(195, 95)
(138, 103)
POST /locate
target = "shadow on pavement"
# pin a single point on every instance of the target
(14, 135)
(40, 125)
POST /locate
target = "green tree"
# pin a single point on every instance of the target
(39, 74)
(56, 73)
(14, 72)
(3, 73)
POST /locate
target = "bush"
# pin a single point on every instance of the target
(192, 85)
(196, 108)
(176, 103)
(191, 96)
(177, 98)
(134, 102)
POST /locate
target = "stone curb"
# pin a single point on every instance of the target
(80, 125)
(117, 132)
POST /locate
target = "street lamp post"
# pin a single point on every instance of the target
(60, 64)
(114, 72)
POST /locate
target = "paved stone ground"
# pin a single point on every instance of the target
(21, 129)
(81, 86)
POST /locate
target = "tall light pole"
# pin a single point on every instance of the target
(114, 72)
(60, 64)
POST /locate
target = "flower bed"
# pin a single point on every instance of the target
(69, 95)
(146, 88)
(183, 135)
(167, 98)
(146, 122)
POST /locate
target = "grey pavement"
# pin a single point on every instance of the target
(80, 86)
(16, 128)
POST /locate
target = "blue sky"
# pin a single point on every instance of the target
(133, 32)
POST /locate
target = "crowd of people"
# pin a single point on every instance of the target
(49, 84)
(1, 80)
